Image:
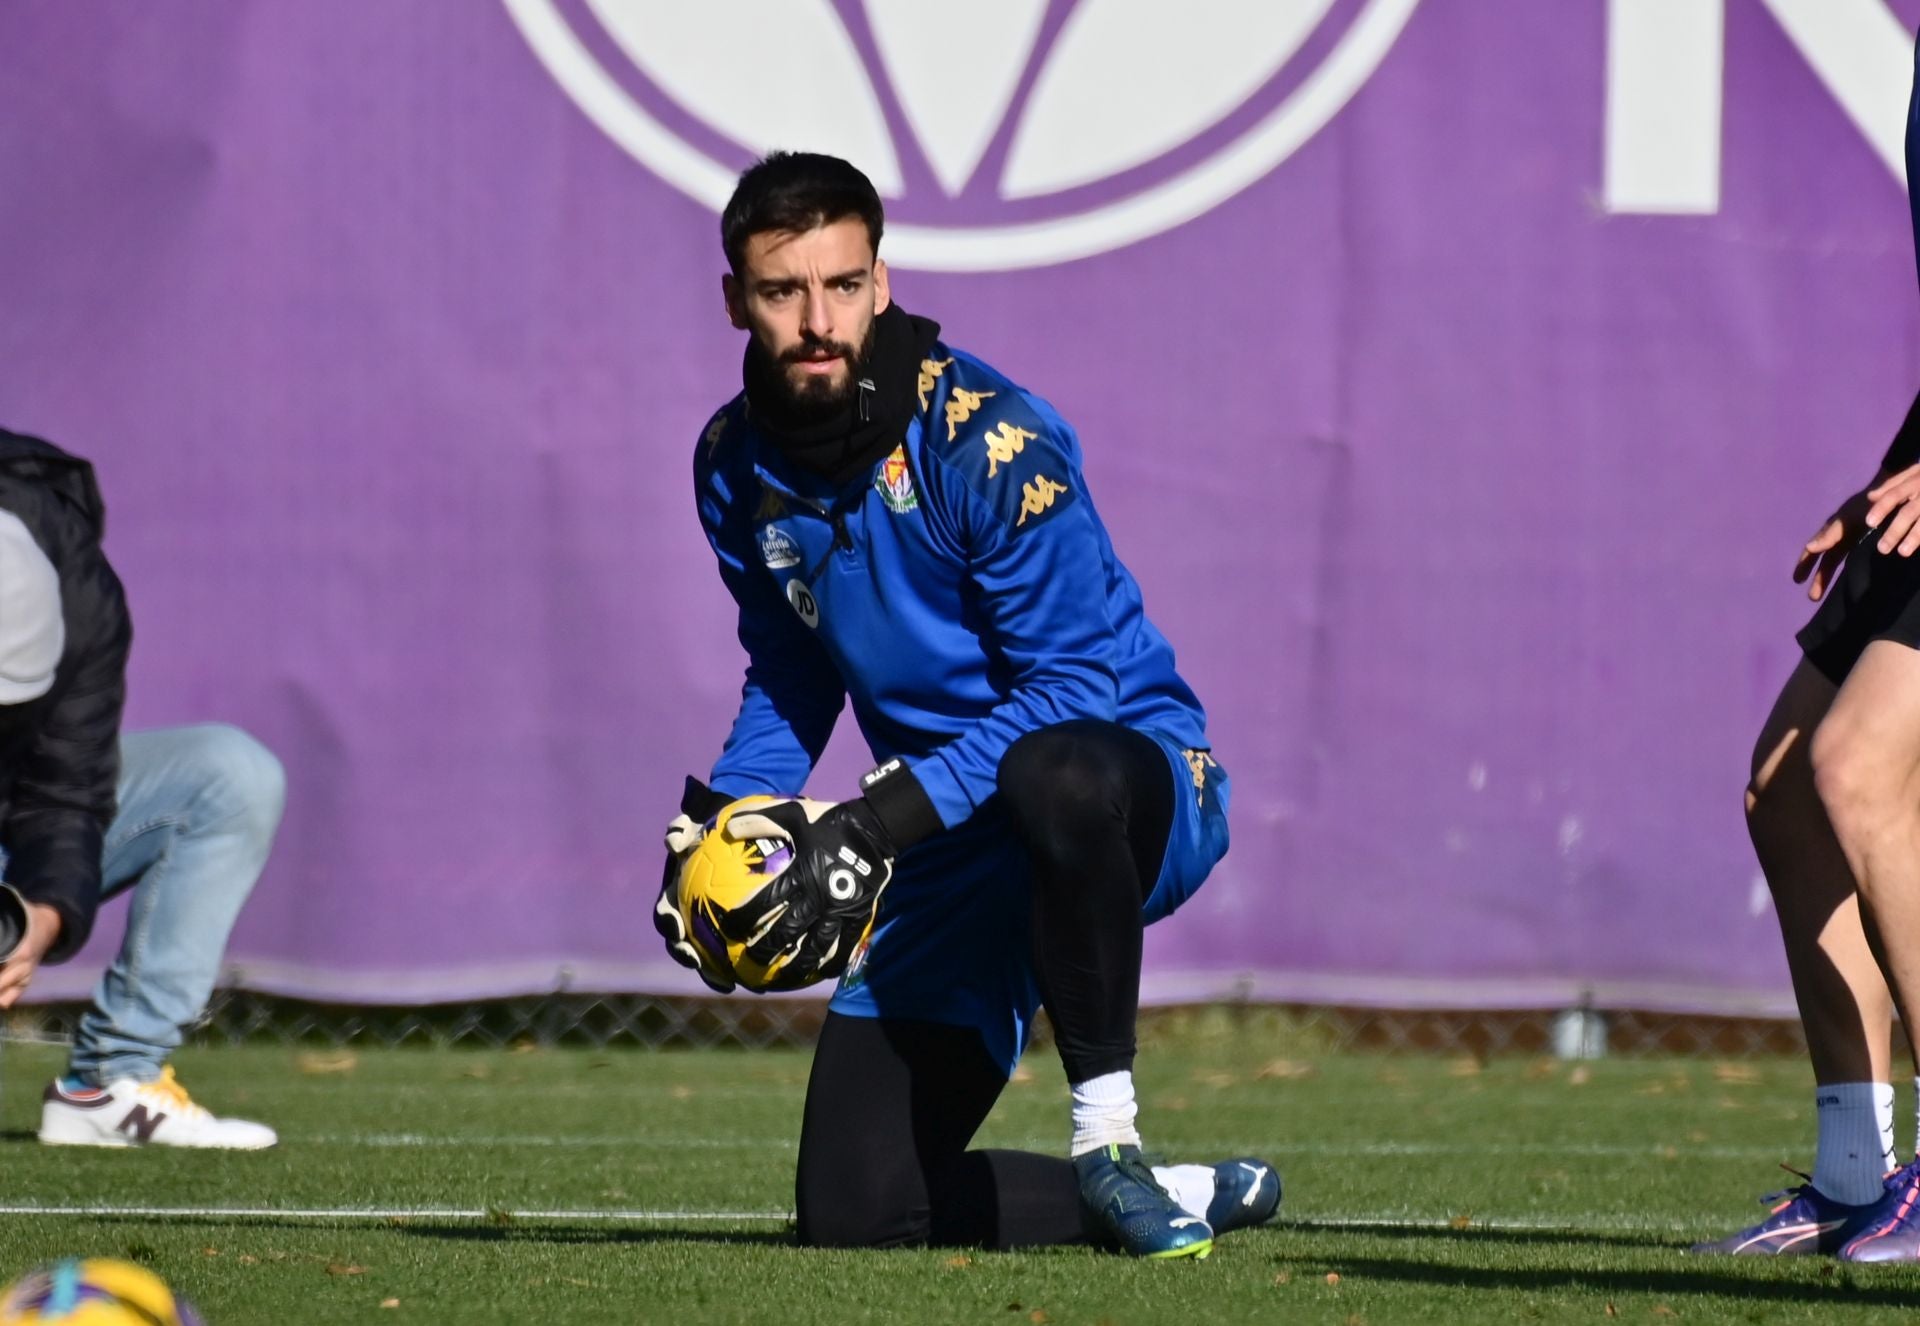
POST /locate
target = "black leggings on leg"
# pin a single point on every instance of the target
(891, 1106)
(1092, 802)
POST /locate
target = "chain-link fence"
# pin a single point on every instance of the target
(654, 1022)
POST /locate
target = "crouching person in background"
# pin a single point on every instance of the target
(184, 818)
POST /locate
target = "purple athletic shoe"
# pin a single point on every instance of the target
(1805, 1222)
(1892, 1229)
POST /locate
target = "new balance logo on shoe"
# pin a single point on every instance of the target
(140, 1123)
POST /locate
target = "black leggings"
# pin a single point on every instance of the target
(892, 1104)
(1093, 804)
(890, 1109)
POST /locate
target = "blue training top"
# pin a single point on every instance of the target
(962, 593)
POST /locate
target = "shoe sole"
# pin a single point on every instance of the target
(103, 1144)
(1197, 1251)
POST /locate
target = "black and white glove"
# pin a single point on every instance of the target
(823, 903)
(698, 805)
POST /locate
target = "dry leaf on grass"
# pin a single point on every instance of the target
(1283, 1070)
(318, 1063)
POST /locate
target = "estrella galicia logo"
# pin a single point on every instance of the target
(777, 549)
(1002, 133)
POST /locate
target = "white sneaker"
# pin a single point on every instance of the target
(129, 1113)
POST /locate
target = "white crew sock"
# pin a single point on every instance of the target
(1103, 1112)
(1856, 1140)
(1189, 1185)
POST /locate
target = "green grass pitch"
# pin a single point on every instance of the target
(455, 1186)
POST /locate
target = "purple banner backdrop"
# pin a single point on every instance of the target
(1459, 431)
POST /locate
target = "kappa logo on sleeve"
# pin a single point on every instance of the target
(1004, 442)
(1036, 498)
(930, 371)
(961, 404)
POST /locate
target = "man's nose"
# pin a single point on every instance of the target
(819, 315)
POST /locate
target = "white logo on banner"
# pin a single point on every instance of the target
(1113, 142)
(1665, 90)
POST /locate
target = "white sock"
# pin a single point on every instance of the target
(1103, 1112)
(1189, 1185)
(1856, 1140)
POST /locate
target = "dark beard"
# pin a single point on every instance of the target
(818, 400)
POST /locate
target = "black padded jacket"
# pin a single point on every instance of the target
(60, 754)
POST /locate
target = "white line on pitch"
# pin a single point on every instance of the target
(1597, 1150)
(380, 1213)
(387, 1140)
(1548, 1224)
(1569, 1224)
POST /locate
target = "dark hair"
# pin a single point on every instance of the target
(797, 191)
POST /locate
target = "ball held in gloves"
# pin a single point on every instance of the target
(720, 895)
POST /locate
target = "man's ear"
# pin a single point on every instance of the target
(736, 299)
(882, 291)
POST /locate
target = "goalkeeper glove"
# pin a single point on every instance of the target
(698, 804)
(823, 903)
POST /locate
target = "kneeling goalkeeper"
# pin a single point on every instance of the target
(902, 525)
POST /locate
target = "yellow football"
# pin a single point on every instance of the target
(720, 878)
(95, 1292)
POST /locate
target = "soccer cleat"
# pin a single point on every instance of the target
(1125, 1206)
(1806, 1222)
(129, 1113)
(1245, 1193)
(1892, 1229)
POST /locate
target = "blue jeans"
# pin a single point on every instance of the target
(198, 810)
